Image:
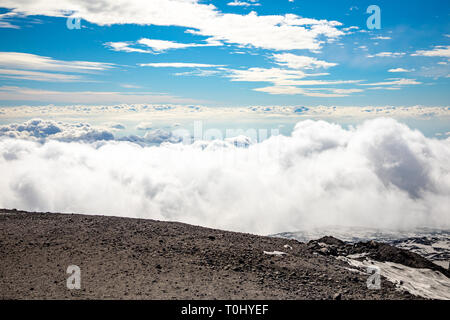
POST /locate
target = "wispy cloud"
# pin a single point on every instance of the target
(26, 66)
(393, 81)
(315, 92)
(437, 51)
(278, 32)
(38, 76)
(179, 65)
(399, 70)
(154, 45)
(293, 61)
(387, 54)
(19, 60)
(381, 38)
(249, 3)
(10, 93)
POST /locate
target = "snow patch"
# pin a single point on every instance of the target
(417, 281)
(275, 253)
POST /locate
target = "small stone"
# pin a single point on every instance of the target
(337, 296)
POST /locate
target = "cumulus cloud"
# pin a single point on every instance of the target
(41, 130)
(153, 137)
(144, 126)
(379, 174)
(175, 113)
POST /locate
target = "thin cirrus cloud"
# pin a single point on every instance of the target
(387, 54)
(12, 93)
(277, 32)
(286, 81)
(19, 60)
(153, 46)
(315, 92)
(38, 76)
(293, 61)
(179, 65)
(26, 66)
(393, 81)
(399, 70)
(4, 23)
(249, 3)
(437, 51)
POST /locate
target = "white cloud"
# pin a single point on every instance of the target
(38, 76)
(199, 73)
(19, 60)
(315, 82)
(90, 97)
(176, 113)
(130, 86)
(156, 46)
(26, 66)
(437, 51)
(144, 126)
(237, 3)
(399, 70)
(381, 38)
(41, 130)
(274, 75)
(316, 92)
(278, 32)
(125, 47)
(286, 81)
(4, 23)
(162, 45)
(179, 65)
(281, 90)
(393, 81)
(300, 62)
(115, 126)
(387, 54)
(384, 88)
(380, 174)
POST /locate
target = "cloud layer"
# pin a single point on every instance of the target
(380, 174)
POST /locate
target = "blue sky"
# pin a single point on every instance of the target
(225, 53)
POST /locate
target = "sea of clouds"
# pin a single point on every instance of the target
(378, 174)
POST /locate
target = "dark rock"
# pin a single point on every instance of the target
(337, 296)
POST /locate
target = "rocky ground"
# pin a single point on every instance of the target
(123, 258)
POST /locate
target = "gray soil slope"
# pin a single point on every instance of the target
(123, 258)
